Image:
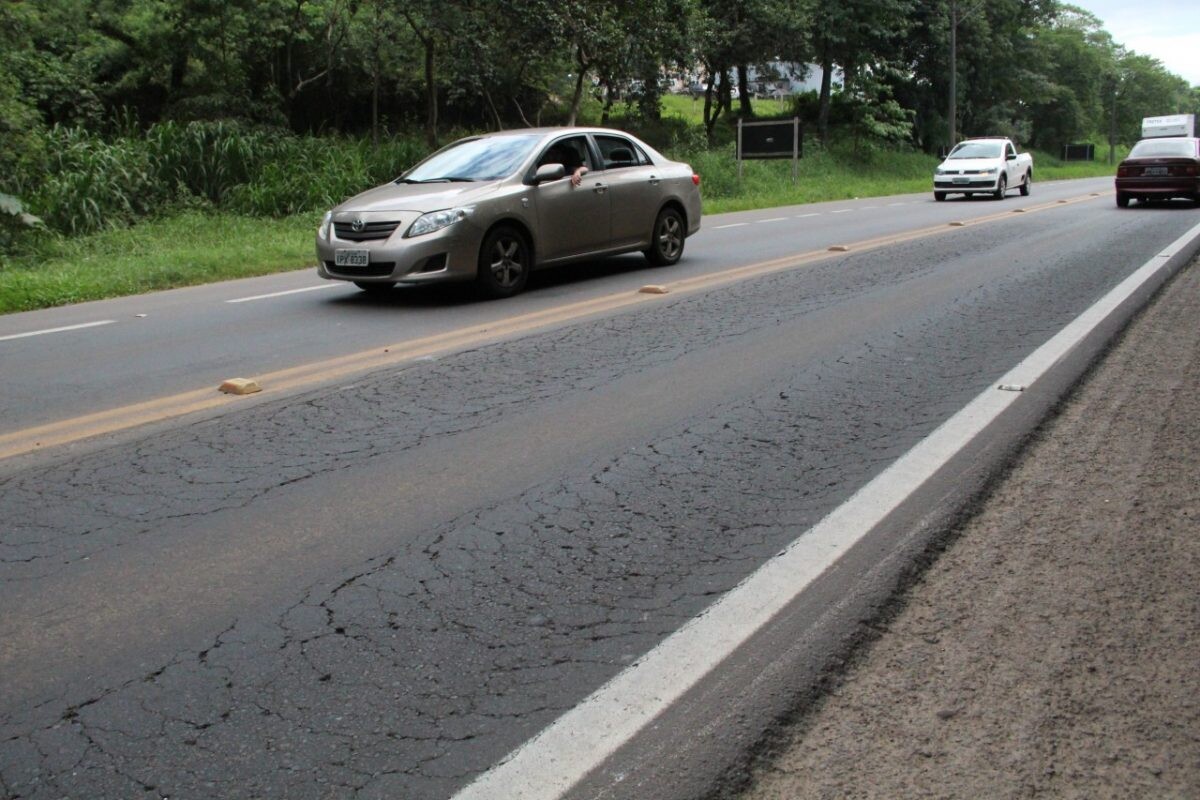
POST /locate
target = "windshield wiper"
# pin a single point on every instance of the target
(447, 179)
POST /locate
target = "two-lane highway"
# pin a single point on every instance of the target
(379, 583)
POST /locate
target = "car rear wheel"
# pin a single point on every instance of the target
(1025, 184)
(1122, 200)
(504, 262)
(939, 196)
(1001, 188)
(666, 243)
(375, 288)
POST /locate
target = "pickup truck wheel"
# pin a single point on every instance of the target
(1025, 184)
(1122, 200)
(1001, 188)
(939, 196)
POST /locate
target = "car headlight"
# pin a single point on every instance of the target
(991, 171)
(436, 220)
(323, 230)
(940, 171)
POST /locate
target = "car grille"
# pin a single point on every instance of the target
(370, 231)
(375, 269)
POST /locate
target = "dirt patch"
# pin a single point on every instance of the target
(1054, 649)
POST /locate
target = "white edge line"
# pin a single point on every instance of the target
(773, 219)
(548, 765)
(730, 225)
(57, 330)
(281, 294)
(842, 211)
(806, 216)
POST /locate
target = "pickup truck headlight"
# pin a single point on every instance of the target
(991, 171)
(436, 220)
(940, 171)
(323, 230)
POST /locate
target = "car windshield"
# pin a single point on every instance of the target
(977, 150)
(486, 159)
(1148, 148)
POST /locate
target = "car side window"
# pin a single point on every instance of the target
(1012, 151)
(571, 152)
(617, 152)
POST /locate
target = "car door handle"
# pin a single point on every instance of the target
(600, 188)
(654, 180)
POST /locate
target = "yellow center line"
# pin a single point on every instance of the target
(273, 383)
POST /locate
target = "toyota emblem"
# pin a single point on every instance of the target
(357, 225)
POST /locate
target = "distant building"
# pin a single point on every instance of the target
(775, 79)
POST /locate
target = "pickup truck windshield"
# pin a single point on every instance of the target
(977, 150)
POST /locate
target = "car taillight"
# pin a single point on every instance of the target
(1122, 172)
(695, 179)
(1189, 170)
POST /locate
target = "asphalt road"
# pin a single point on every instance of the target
(378, 585)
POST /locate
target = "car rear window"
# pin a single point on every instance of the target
(1149, 148)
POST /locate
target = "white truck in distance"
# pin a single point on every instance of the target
(983, 166)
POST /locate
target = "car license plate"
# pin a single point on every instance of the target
(962, 180)
(351, 258)
(1156, 171)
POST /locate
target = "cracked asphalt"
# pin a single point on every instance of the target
(379, 589)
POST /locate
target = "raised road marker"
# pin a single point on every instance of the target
(240, 386)
(839, 248)
(653, 288)
(958, 224)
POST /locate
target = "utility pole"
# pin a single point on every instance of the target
(954, 20)
(1112, 127)
(953, 115)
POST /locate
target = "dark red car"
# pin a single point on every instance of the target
(1159, 169)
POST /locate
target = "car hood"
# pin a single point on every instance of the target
(418, 197)
(969, 163)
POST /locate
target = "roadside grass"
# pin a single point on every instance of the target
(183, 250)
(202, 246)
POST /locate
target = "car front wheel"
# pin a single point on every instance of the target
(504, 263)
(1025, 184)
(666, 243)
(939, 196)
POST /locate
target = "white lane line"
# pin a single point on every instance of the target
(893, 205)
(547, 766)
(869, 208)
(842, 211)
(773, 219)
(806, 216)
(57, 330)
(730, 225)
(281, 294)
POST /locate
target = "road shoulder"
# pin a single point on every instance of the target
(1052, 648)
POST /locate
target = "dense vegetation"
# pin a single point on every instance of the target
(114, 110)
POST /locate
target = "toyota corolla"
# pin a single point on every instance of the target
(493, 208)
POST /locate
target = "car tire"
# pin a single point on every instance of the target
(375, 288)
(1025, 184)
(1122, 200)
(505, 260)
(1001, 188)
(939, 196)
(667, 238)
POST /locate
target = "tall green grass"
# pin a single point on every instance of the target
(86, 183)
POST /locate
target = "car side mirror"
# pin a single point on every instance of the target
(549, 172)
(1012, 156)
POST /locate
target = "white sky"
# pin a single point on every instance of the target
(1168, 30)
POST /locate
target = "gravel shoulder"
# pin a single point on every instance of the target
(1052, 649)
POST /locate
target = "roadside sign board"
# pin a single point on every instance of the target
(770, 139)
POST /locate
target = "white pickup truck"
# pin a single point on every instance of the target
(983, 166)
